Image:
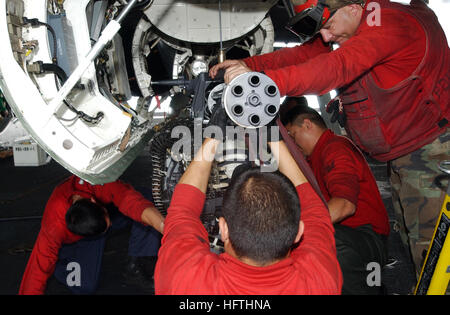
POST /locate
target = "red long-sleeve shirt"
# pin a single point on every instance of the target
(390, 51)
(187, 266)
(54, 232)
(342, 172)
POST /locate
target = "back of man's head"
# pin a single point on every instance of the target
(297, 114)
(262, 212)
(86, 218)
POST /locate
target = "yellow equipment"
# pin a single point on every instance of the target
(435, 275)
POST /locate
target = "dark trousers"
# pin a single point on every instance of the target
(361, 253)
(85, 256)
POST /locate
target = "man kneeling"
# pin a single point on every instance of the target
(354, 201)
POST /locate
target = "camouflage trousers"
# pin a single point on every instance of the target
(417, 200)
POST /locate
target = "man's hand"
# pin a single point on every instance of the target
(335, 108)
(232, 67)
(152, 217)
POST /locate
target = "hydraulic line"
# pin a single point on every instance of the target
(111, 29)
(36, 22)
(61, 74)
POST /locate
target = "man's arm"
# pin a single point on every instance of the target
(41, 264)
(318, 247)
(339, 170)
(340, 208)
(152, 217)
(130, 202)
(288, 56)
(274, 60)
(358, 55)
(185, 246)
(52, 234)
(318, 243)
(198, 171)
(286, 163)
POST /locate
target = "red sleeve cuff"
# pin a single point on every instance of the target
(344, 188)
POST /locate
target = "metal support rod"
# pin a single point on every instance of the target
(220, 24)
(126, 10)
(221, 51)
(107, 35)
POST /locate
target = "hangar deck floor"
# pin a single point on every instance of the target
(24, 192)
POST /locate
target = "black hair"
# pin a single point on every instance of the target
(297, 114)
(262, 211)
(86, 218)
(289, 103)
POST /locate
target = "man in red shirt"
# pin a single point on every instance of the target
(260, 224)
(346, 181)
(72, 237)
(392, 71)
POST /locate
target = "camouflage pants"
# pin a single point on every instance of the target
(417, 201)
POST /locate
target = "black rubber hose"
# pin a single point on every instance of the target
(61, 74)
(55, 43)
(50, 67)
(35, 22)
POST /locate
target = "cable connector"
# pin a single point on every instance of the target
(33, 22)
(35, 67)
(90, 119)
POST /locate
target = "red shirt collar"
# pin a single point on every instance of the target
(327, 134)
